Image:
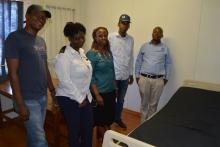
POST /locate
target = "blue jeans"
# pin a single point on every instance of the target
(122, 89)
(35, 124)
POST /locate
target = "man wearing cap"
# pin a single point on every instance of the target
(29, 75)
(152, 70)
(121, 45)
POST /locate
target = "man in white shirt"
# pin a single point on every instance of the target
(121, 45)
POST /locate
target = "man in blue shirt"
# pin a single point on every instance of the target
(121, 45)
(152, 70)
(29, 75)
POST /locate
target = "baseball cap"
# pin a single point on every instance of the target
(37, 8)
(124, 18)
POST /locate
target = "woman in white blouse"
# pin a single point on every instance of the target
(74, 73)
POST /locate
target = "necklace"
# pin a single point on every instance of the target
(106, 56)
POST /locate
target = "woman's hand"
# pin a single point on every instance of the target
(83, 104)
(99, 100)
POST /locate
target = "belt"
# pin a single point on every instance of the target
(152, 76)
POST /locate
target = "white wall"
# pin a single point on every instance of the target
(62, 12)
(207, 59)
(190, 31)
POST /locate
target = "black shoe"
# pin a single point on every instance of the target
(121, 124)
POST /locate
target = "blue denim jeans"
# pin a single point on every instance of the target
(122, 89)
(35, 124)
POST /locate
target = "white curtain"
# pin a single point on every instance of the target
(53, 31)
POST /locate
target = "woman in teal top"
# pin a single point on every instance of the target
(103, 84)
(103, 71)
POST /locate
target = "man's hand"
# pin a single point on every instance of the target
(137, 80)
(24, 112)
(53, 96)
(165, 81)
(13, 67)
(130, 80)
(116, 93)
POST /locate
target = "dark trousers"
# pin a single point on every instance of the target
(79, 121)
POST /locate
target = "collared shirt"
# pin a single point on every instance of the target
(153, 60)
(122, 51)
(74, 72)
(103, 71)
